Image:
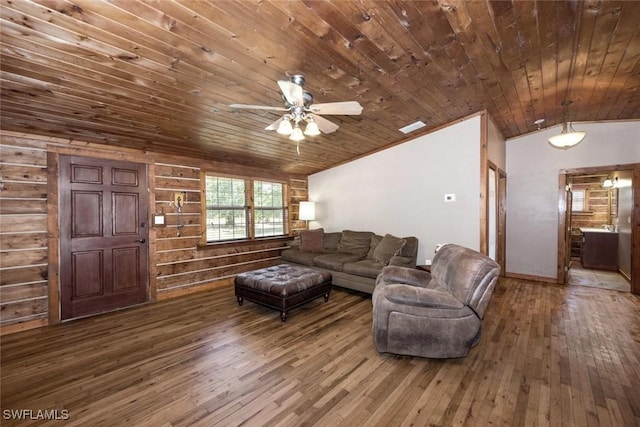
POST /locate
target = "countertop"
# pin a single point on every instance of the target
(596, 230)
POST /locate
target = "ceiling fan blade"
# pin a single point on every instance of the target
(274, 125)
(292, 92)
(324, 125)
(257, 107)
(346, 108)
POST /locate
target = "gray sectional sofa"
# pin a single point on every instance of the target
(354, 258)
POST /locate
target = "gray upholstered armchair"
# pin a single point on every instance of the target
(437, 314)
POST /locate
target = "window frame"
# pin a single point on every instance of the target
(255, 209)
(249, 209)
(584, 198)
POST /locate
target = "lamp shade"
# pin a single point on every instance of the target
(296, 135)
(285, 127)
(307, 211)
(312, 129)
(567, 139)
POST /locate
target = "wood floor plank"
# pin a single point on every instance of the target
(549, 355)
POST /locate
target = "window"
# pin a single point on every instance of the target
(268, 208)
(578, 201)
(239, 208)
(227, 210)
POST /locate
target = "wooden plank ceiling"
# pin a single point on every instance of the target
(159, 75)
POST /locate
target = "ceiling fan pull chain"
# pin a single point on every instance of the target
(298, 147)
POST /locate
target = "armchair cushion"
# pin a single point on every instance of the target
(403, 261)
(397, 274)
(420, 297)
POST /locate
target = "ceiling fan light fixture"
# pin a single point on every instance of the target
(296, 134)
(312, 128)
(284, 128)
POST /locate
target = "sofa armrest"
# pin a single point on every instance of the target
(413, 296)
(402, 261)
(397, 274)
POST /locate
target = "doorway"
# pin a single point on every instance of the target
(103, 207)
(597, 231)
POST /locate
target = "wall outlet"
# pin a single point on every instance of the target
(450, 197)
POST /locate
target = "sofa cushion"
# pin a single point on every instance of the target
(312, 240)
(411, 248)
(366, 268)
(331, 241)
(375, 241)
(297, 256)
(334, 260)
(355, 242)
(388, 248)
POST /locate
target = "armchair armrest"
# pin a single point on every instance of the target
(397, 274)
(408, 295)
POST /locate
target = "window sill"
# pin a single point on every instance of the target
(247, 242)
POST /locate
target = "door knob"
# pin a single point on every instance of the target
(142, 240)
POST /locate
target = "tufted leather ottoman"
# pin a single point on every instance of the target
(282, 287)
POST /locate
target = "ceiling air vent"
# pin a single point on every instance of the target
(412, 127)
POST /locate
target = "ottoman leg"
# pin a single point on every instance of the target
(240, 300)
(283, 316)
(326, 297)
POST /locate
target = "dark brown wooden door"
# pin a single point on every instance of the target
(103, 235)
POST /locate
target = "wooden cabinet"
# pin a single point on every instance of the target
(600, 250)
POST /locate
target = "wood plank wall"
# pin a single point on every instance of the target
(178, 264)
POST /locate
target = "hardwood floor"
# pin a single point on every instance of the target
(549, 355)
(603, 279)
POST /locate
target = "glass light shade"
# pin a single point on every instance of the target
(312, 129)
(296, 134)
(607, 183)
(284, 128)
(307, 211)
(567, 140)
(568, 137)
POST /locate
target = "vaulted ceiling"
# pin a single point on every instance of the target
(160, 75)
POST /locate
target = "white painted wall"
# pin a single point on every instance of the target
(533, 167)
(401, 190)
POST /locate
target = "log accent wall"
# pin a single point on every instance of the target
(178, 263)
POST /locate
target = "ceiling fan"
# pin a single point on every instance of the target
(299, 108)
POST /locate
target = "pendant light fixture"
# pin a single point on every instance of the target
(568, 137)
